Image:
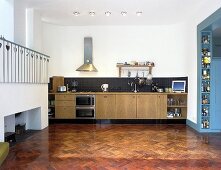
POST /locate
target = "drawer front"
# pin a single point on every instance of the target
(64, 103)
(65, 112)
(64, 97)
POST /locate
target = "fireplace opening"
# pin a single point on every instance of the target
(20, 125)
(17, 127)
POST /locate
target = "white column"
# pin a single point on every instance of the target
(2, 136)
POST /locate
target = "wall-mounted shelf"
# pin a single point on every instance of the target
(120, 66)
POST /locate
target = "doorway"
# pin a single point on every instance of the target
(212, 51)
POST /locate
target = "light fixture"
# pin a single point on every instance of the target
(139, 13)
(76, 13)
(124, 13)
(107, 13)
(92, 13)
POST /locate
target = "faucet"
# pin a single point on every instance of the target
(135, 88)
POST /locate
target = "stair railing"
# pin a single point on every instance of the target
(19, 64)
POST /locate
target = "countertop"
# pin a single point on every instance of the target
(131, 93)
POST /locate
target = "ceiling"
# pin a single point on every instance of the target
(154, 12)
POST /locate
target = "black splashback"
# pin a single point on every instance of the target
(118, 84)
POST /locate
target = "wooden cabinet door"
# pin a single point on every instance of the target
(64, 97)
(125, 106)
(65, 106)
(147, 106)
(65, 112)
(106, 106)
(161, 106)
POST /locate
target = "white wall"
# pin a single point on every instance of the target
(6, 18)
(20, 97)
(19, 22)
(164, 45)
(34, 30)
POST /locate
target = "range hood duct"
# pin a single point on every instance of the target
(88, 49)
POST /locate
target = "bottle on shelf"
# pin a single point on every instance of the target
(205, 74)
(205, 99)
(205, 111)
(205, 124)
(206, 39)
(205, 86)
(206, 58)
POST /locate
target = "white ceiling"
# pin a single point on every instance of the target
(155, 12)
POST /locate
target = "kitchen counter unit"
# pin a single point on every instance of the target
(123, 105)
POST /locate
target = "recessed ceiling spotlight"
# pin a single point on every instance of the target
(76, 13)
(92, 13)
(139, 13)
(107, 13)
(123, 13)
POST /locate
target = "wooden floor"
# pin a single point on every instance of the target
(67, 146)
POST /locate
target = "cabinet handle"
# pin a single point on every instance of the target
(105, 96)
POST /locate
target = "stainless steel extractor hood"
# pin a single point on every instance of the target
(88, 49)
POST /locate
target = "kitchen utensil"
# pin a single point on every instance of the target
(61, 89)
(160, 90)
(136, 79)
(104, 87)
(142, 80)
(167, 90)
(128, 74)
(74, 85)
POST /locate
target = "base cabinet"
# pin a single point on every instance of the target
(105, 106)
(177, 106)
(151, 106)
(123, 106)
(126, 106)
(146, 106)
(65, 106)
(161, 106)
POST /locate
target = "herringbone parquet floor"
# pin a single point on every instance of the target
(103, 147)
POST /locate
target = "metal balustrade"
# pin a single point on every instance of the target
(19, 64)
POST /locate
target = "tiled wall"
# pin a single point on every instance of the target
(118, 84)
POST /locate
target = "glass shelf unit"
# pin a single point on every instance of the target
(205, 79)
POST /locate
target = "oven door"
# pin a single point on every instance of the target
(84, 100)
(85, 112)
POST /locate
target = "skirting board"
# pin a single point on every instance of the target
(119, 121)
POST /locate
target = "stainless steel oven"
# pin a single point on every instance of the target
(85, 106)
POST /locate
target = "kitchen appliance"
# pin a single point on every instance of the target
(85, 106)
(74, 85)
(88, 51)
(61, 89)
(104, 87)
(178, 86)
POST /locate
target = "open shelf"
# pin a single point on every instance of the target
(206, 49)
(120, 66)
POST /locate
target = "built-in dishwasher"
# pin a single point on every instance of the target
(85, 106)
